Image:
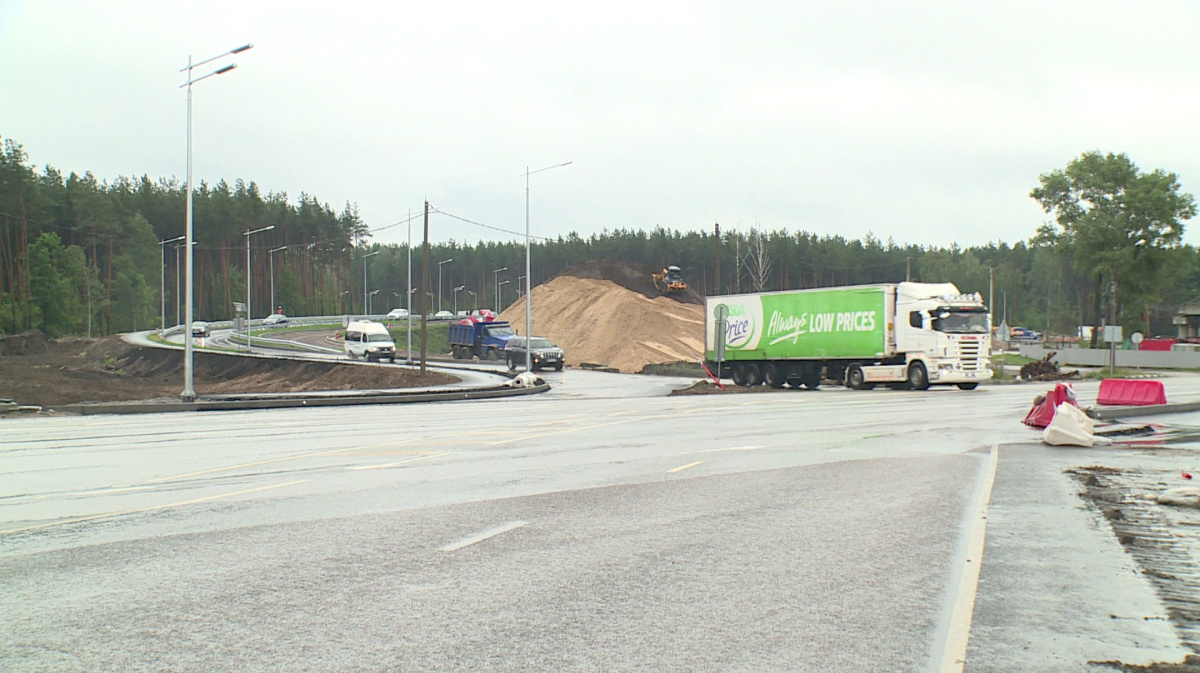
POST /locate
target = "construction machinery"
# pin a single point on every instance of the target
(670, 280)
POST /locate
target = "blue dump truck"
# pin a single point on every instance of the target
(485, 340)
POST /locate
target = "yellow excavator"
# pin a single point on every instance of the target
(670, 280)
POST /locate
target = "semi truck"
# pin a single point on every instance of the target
(484, 340)
(905, 335)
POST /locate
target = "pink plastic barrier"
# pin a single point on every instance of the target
(1129, 392)
(1156, 344)
(1041, 414)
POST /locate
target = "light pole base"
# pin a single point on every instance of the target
(188, 396)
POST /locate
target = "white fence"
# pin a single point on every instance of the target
(1097, 357)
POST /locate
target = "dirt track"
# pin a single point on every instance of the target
(38, 371)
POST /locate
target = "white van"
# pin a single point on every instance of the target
(369, 340)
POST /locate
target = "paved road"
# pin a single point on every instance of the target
(599, 527)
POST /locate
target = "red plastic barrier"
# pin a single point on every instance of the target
(1041, 414)
(1156, 344)
(1129, 392)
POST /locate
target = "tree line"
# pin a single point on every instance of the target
(87, 257)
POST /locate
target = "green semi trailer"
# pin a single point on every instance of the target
(905, 335)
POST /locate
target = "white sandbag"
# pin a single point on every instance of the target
(524, 380)
(1187, 496)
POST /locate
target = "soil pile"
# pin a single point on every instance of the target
(635, 277)
(607, 322)
(73, 370)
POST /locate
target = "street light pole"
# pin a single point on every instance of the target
(474, 301)
(373, 293)
(162, 291)
(528, 304)
(496, 286)
(408, 299)
(520, 284)
(249, 313)
(445, 261)
(189, 392)
(369, 254)
(456, 291)
(272, 254)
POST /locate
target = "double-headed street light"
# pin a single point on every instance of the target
(272, 254)
(444, 261)
(496, 285)
(528, 305)
(369, 254)
(162, 285)
(456, 291)
(249, 313)
(189, 392)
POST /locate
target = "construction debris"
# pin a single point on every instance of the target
(1046, 370)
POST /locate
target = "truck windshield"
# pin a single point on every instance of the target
(961, 322)
(499, 331)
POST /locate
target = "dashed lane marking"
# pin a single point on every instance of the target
(681, 468)
(468, 541)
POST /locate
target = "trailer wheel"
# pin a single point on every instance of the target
(856, 379)
(738, 374)
(918, 377)
(775, 375)
(754, 374)
(968, 386)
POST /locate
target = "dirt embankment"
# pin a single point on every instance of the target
(620, 320)
(39, 371)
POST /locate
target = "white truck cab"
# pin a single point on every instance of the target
(369, 340)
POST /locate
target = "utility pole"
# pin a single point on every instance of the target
(992, 294)
(424, 290)
(717, 274)
(908, 269)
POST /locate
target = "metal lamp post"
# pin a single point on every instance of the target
(456, 291)
(474, 300)
(372, 294)
(342, 300)
(520, 283)
(249, 313)
(496, 285)
(189, 393)
(444, 261)
(499, 296)
(162, 291)
(528, 305)
(369, 254)
(272, 254)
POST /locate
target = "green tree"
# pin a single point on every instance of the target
(1114, 223)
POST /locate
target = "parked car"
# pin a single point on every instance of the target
(397, 314)
(200, 328)
(443, 315)
(275, 319)
(1023, 334)
(543, 354)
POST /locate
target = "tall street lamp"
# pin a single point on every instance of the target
(342, 300)
(162, 285)
(474, 301)
(496, 285)
(528, 305)
(372, 294)
(444, 261)
(189, 392)
(249, 313)
(369, 254)
(178, 274)
(499, 296)
(456, 291)
(520, 283)
(272, 254)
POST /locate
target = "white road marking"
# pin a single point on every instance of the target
(732, 448)
(955, 655)
(466, 542)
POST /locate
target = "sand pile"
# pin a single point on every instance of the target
(601, 322)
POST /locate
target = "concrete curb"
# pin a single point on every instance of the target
(1111, 413)
(289, 400)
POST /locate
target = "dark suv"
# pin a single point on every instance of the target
(543, 354)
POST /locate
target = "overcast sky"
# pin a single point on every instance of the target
(926, 122)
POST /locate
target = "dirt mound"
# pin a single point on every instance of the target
(606, 323)
(72, 370)
(635, 277)
(25, 343)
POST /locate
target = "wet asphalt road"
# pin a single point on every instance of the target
(601, 526)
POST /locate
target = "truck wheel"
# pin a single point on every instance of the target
(775, 375)
(754, 374)
(918, 377)
(738, 373)
(856, 379)
(511, 365)
(812, 377)
(968, 386)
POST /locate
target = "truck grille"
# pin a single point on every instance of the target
(970, 356)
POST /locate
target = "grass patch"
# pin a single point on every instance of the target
(1010, 359)
(439, 337)
(1117, 373)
